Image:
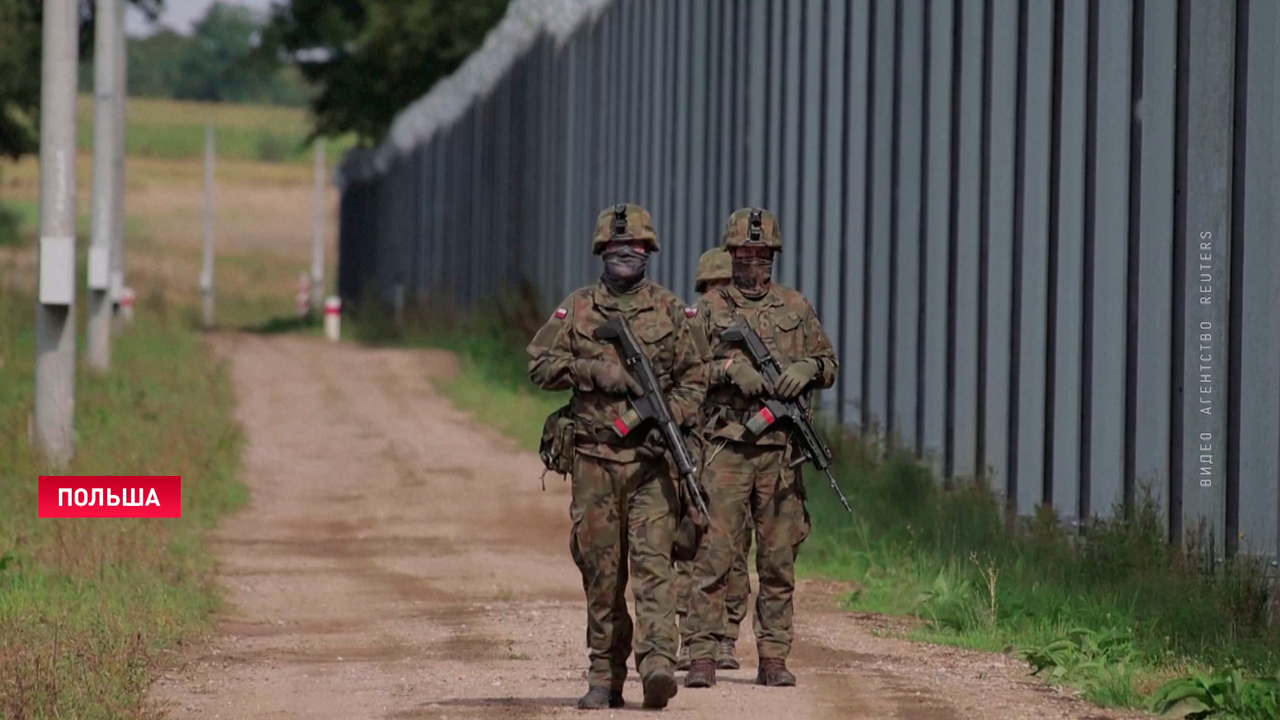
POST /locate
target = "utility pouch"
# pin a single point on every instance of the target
(556, 447)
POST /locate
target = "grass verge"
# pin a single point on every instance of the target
(1126, 618)
(91, 609)
(492, 383)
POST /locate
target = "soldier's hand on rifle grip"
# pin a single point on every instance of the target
(796, 378)
(747, 378)
(613, 378)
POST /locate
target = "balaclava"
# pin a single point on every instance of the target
(752, 274)
(624, 268)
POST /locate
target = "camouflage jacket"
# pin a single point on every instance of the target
(675, 346)
(787, 323)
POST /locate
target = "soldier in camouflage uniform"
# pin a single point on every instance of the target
(715, 270)
(625, 502)
(748, 475)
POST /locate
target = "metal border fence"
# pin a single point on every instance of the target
(1042, 233)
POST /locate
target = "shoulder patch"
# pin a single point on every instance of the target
(561, 313)
(691, 312)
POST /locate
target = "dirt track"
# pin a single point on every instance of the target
(400, 562)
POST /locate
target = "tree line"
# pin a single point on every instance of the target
(354, 63)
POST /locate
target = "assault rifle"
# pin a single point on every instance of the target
(652, 405)
(796, 411)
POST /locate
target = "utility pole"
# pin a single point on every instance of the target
(206, 272)
(122, 100)
(52, 430)
(106, 66)
(317, 240)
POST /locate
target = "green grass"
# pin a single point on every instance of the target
(1124, 617)
(1117, 615)
(89, 609)
(174, 129)
(492, 383)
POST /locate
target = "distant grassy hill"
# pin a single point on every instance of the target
(173, 129)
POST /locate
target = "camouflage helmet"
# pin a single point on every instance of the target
(715, 264)
(624, 221)
(752, 227)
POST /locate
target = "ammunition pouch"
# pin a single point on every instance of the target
(556, 447)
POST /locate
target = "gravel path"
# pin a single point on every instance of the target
(399, 561)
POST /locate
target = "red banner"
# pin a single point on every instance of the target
(110, 496)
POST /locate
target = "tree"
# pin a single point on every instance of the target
(20, 43)
(371, 58)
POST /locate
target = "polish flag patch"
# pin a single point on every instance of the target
(561, 313)
(691, 312)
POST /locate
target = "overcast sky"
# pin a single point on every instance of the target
(181, 15)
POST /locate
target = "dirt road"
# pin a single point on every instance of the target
(400, 562)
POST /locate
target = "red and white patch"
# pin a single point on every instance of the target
(561, 313)
(691, 312)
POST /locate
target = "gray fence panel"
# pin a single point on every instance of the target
(700, 217)
(1260, 303)
(788, 208)
(807, 245)
(1067, 255)
(682, 138)
(965, 413)
(1110, 247)
(1032, 346)
(937, 231)
(999, 211)
(907, 237)
(854, 235)
(757, 103)
(773, 151)
(834, 217)
(723, 198)
(1154, 260)
(1207, 235)
(995, 366)
(878, 310)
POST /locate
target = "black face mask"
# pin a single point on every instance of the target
(751, 275)
(624, 268)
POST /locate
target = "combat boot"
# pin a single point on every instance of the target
(725, 658)
(773, 673)
(659, 687)
(683, 659)
(599, 697)
(702, 673)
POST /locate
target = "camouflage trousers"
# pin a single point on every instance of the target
(625, 511)
(749, 481)
(736, 593)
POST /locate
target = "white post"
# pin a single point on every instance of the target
(332, 318)
(206, 272)
(121, 105)
(52, 430)
(105, 68)
(317, 239)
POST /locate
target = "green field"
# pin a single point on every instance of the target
(173, 129)
(90, 609)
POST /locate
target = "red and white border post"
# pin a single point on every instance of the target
(332, 317)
